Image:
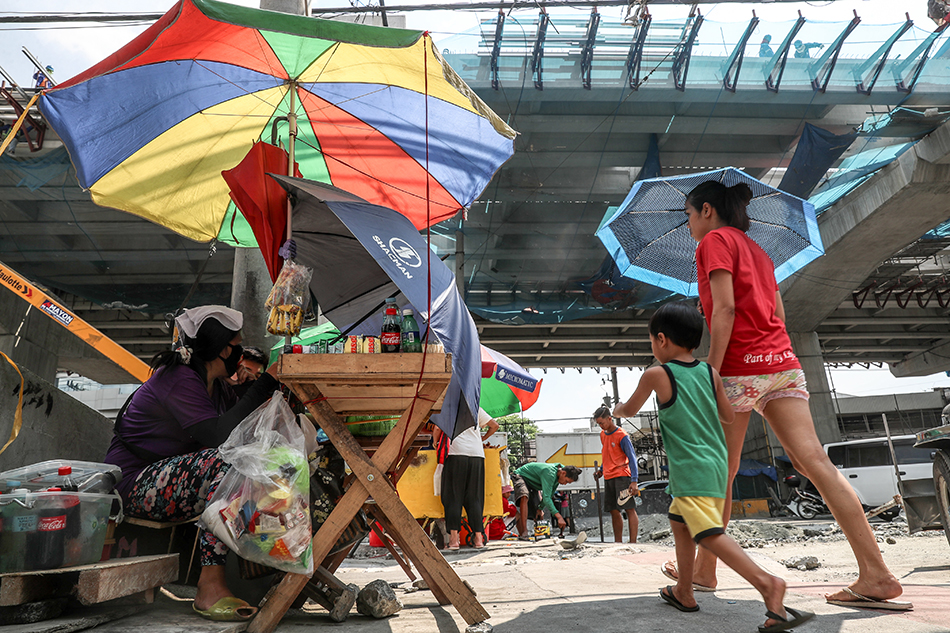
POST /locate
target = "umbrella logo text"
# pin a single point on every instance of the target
(393, 255)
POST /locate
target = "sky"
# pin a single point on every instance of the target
(567, 399)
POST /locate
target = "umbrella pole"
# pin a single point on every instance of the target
(291, 138)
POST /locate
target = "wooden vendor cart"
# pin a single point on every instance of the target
(336, 385)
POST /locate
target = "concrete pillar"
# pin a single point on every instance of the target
(460, 262)
(298, 7)
(249, 290)
(822, 405)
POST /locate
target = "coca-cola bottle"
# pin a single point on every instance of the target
(390, 335)
(45, 546)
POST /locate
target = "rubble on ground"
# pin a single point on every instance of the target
(378, 600)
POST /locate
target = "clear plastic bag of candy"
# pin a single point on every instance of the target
(261, 507)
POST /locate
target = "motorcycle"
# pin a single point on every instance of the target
(803, 503)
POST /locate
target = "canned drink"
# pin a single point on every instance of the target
(336, 348)
(298, 349)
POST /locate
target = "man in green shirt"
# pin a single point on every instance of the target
(538, 478)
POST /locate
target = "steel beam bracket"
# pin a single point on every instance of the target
(684, 50)
(537, 57)
(733, 65)
(635, 56)
(776, 66)
(821, 70)
(587, 53)
(865, 81)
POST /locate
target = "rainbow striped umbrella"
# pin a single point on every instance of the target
(379, 114)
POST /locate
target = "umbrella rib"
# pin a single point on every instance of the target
(370, 176)
(255, 94)
(782, 227)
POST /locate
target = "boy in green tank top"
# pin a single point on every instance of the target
(691, 402)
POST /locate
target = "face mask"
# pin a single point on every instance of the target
(231, 362)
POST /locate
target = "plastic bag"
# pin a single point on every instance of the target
(288, 299)
(261, 507)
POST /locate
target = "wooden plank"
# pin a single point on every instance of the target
(30, 586)
(362, 367)
(157, 525)
(111, 582)
(16, 590)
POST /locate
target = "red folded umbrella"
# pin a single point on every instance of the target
(261, 199)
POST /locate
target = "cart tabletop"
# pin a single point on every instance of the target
(366, 384)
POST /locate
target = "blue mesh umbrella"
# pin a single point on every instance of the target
(649, 238)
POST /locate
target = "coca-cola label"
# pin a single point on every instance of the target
(51, 524)
(389, 338)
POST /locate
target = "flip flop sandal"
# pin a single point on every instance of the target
(696, 587)
(783, 624)
(866, 602)
(229, 609)
(671, 600)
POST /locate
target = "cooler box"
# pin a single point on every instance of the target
(46, 474)
(49, 530)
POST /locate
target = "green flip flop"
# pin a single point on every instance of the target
(229, 609)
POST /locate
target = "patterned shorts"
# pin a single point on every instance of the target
(746, 393)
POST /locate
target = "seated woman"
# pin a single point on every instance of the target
(167, 434)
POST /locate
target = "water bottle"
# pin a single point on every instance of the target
(389, 336)
(19, 522)
(411, 342)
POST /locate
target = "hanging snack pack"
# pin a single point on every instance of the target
(261, 507)
(288, 299)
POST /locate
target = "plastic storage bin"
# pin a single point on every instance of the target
(49, 530)
(46, 475)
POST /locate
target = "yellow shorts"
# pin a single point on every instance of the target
(702, 515)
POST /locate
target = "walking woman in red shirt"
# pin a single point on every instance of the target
(750, 348)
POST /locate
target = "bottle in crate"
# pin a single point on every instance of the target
(46, 546)
(19, 523)
(390, 335)
(410, 333)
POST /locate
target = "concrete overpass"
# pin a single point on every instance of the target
(527, 244)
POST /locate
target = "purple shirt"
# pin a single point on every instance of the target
(159, 416)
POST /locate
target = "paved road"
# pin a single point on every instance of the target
(540, 588)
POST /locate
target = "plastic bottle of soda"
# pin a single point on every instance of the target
(46, 546)
(410, 333)
(98, 483)
(389, 336)
(19, 521)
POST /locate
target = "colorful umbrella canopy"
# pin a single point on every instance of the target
(506, 386)
(380, 114)
(649, 238)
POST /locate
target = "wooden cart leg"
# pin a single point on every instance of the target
(388, 544)
(433, 586)
(413, 541)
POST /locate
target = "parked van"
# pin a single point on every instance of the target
(868, 467)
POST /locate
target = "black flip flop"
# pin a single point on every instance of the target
(797, 618)
(671, 600)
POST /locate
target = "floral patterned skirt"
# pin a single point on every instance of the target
(177, 489)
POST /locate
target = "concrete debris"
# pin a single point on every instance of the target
(802, 563)
(480, 627)
(890, 540)
(420, 584)
(378, 600)
(659, 535)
